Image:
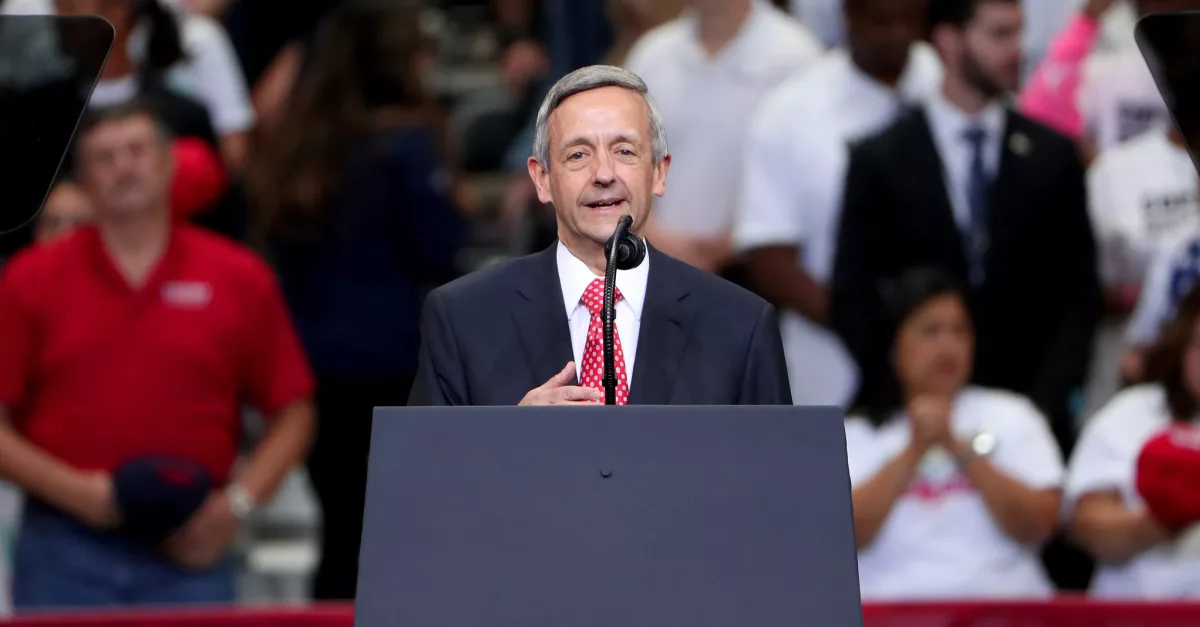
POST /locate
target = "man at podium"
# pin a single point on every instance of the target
(528, 331)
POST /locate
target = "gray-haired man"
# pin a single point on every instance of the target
(527, 331)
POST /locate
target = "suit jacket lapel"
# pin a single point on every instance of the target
(1014, 171)
(667, 316)
(541, 320)
(940, 207)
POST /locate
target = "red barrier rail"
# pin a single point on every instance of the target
(1067, 612)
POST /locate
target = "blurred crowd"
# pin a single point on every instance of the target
(976, 217)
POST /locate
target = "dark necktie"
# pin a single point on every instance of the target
(978, 190)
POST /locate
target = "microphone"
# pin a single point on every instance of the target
(624, 251)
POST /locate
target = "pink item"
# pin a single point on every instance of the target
(1049, 96)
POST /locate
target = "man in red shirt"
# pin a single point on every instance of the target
(131, 338)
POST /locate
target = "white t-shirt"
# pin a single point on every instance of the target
(211, 73)
(1105, 459)
(795, 167)
(1118, 98)
(940, 540)
(1143, 196)
(706, 104)
(1172, 274)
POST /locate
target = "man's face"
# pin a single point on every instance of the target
(990, 48)
(601, 164)
(126, 167)
(66, 209)
(881, 32)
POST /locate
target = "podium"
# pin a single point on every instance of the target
(632, 516)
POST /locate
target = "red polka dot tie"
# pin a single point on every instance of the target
(591, 371)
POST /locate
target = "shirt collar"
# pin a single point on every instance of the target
(911, 87)
(574, 277)
(950, 122)
(746, 36)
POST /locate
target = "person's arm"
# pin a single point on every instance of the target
(86, 496)
(440, 379)
(1026, 514)
(272, 91)
(215, 68)
(1067, 358)
(766, 375)
(855, 302)
(875, 498)
(1112, 532)
(778, 277)
(1050, 95)
(770, 224)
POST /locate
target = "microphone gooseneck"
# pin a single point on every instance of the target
(624, 251)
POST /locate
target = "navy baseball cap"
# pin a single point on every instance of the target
(158, 494)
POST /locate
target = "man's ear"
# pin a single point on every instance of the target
(945, 40)
(660, 176)
(541, 180)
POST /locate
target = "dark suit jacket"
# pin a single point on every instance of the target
(1035, 312)
(494, 335)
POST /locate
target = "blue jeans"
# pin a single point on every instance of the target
(62, 563)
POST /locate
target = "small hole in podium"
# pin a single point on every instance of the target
(606, 473)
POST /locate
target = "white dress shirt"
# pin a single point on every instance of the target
(794, 174)
(706, 103)
(949, 124)
(574, 277)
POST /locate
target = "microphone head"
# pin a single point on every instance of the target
(629, 248)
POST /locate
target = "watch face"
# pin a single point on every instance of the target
(983, 444)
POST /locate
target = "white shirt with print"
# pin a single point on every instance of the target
(1105, 459)
(940, 540)
(1172, 274)
(1118, 98)
(1143, 197)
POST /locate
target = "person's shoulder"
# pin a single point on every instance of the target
(1133, 151)
(1135, 405)
(793, 110)
(789, 38)
(659, 43)
(49, 263)
(1000, 404)
(225, 257)
(735, 302)
(489, 283)
(900, 134)
(1041, 136)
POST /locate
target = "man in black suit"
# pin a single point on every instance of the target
(988, 194)
(513, 333)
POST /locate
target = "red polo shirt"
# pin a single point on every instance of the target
(96, 372)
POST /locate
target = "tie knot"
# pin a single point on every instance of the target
(593, 297)
(975, 135)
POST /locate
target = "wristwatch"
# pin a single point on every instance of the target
(981, 445)
(240, 500)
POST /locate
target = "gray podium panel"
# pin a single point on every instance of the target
(632, 516)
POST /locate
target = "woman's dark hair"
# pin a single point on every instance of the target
(165, 46)
(1165, 360)
(882, 397)
(364, 64)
